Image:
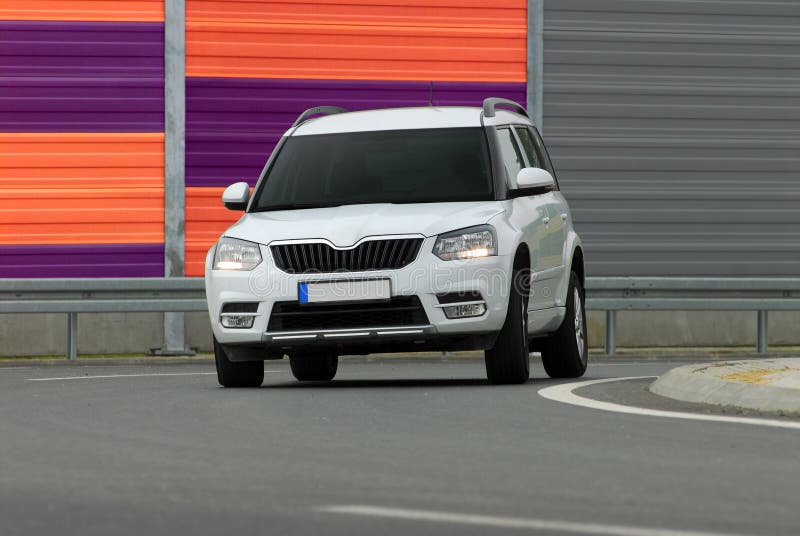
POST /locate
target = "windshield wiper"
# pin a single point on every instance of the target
(293, 206)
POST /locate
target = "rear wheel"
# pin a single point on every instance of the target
(508, 361)
(565, 353)
(314, 367)
(234, 374)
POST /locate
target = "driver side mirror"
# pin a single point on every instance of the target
(236, 196)
(533, 181)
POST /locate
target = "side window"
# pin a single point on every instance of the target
(529, 146)
(512, 157)
(542, 150)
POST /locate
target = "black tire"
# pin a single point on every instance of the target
(233, 374)
(508, 361)
(565, 353)
(314, 367)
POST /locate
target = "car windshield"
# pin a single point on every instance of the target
(396, 166)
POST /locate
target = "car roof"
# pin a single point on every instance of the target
(404, 119)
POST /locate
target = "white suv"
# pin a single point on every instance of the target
(400, 230)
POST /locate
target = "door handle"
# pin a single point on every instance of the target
(546, 220)
(564, 217)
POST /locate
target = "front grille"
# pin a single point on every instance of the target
(317, 257)
(399, 311)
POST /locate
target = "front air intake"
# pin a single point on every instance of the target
(317, 257)
(399, 311)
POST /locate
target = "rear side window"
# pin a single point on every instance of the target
(512, 157)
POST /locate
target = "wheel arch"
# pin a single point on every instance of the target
(522, 256)
(523, 262)
(577, 265)
(574, 260)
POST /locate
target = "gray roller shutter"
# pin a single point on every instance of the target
(675, 128)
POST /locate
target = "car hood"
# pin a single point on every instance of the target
(345, 225)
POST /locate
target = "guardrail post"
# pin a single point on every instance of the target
(174, 166)
(72, 336)
(611, 332)
(535, 86)
(761, 332)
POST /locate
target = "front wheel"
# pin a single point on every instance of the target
(508, 361)
(237, 374)
(565, 353)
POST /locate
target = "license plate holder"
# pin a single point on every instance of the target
(347, 290)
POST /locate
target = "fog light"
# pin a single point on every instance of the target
(468, 309)
(237, 321)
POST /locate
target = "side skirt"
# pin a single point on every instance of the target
(544, 321)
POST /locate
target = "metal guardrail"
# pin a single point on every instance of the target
(127, 295)
(610, 294)
(761, 294)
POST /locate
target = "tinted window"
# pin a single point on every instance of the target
(528, 146)
(397, 166)
(545, 158)
(512, 158)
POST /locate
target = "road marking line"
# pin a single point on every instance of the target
(107, 376)
(564, 393)
(507, 522)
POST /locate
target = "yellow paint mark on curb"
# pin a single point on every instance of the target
(755, 376)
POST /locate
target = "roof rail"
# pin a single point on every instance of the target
(490, 104)
(318, 110)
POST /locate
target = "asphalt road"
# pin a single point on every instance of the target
(390, 447)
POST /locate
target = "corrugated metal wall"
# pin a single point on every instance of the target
(674, 123)
(253, 66)
(675, 128)
(458, 40)
(83, 10)
(81, 139)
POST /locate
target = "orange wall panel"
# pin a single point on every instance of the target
(443, 12)
(206, 219)
(76, 188)
(442, 40)
(83, 10)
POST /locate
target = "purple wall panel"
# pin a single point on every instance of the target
(81, 76)
(233, 124)
(472, 94)
(92, 260)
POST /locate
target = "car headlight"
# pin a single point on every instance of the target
(470, 243)
(235, 254)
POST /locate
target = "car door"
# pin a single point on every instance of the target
(552, 246)
(531, 215)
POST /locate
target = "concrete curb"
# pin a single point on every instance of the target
(777, 388)
(105, 361)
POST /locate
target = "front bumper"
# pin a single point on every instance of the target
(426, 277)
